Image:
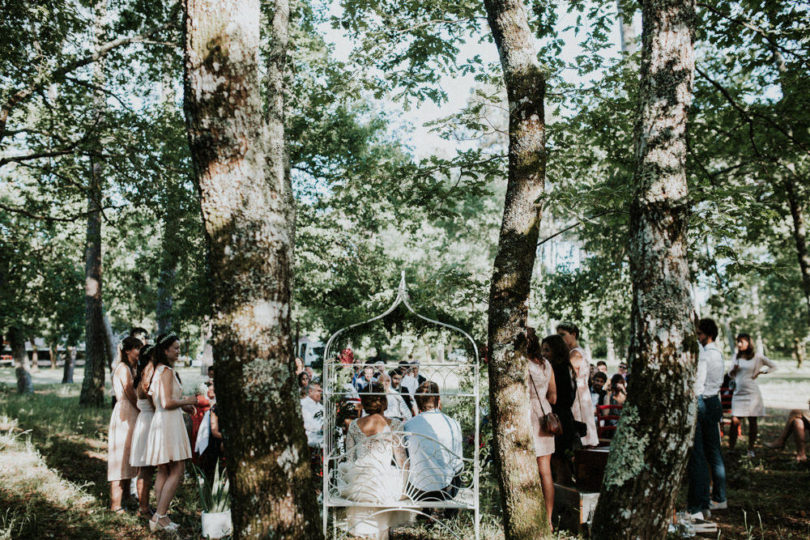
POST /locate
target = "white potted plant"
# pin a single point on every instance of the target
(216, 504)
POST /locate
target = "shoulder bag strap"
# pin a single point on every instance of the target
(537, 393)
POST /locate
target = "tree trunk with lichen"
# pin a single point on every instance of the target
(95, 349)
(245, 210)
(23, 367)
(649, 452)
(518, 478)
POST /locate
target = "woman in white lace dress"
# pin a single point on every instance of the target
(373, 445)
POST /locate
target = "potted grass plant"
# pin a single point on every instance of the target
(215, 501)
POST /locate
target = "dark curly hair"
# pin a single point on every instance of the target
(374, 400)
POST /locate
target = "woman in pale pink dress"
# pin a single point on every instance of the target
(137, 457)
(167, 446)
(122, 424)
(542, 395)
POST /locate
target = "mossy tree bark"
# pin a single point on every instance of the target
(23, 366)
(95, 351)
(649, 451)
(518, 478)
(245, 209)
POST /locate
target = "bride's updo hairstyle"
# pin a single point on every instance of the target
(374, 402)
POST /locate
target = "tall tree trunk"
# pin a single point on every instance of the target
(23, 367)
(518, 478)
(171, 228)
(53, 351)
(627, 34)
(798, 352)
(799, 234)
(649, 451)
(70, 364)
(245, 211)
(92, 393)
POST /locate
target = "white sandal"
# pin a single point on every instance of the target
(155, 525)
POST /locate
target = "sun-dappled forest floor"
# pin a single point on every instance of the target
(53, 476)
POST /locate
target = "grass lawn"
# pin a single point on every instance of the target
(53, 469)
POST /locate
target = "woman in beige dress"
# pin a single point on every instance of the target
(583, 408)
(137, 457)
(167, 445)
(122, 424)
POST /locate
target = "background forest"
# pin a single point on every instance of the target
(367, 204)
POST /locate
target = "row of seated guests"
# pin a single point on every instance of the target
(389, 462)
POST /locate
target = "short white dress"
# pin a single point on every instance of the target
(747, 400)
(140, 437)
(168, 437)
(539, 379)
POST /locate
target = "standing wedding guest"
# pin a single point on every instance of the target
(580, 361)
(140, 435)
(746, 402)
(554, 349)
(411, 380)
(167, 446)
(707, 493)
(397, 408)
(122, 424)
(542, 395)
(798, 423)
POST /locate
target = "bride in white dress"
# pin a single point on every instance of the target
(369, 474)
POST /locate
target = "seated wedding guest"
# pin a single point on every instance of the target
(798, 423)
(598, 391)
(200, 408)
(312, 410)
(364, 378)
(433, 440)
(617, 395)
(303, 383)
(601, 366)
(299, 366)
(140, 435)
(554, 349)
(623, 370)
(167, 446)
(397, 408)
(368, 474)
(210, 444)
(122, 424)
(396, 383)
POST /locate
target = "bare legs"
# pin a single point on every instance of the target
(735, 427)
(143, 484)
(169, 477)
(795, 423)
(544, 467)
(119, 489)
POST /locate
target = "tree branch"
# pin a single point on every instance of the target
(40, 217)
(43, 80)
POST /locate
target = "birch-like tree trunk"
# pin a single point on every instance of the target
(245, 209)
(23, 366)
(625, 10)
(95, 357)
(518, 478)
(648, 454)
(52, 354)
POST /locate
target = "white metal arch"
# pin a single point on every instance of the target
(330, 502)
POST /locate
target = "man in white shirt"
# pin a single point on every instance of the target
(433, 440)
(706, 451)
(312, 410)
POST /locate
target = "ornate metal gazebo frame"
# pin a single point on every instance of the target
(332, 455)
